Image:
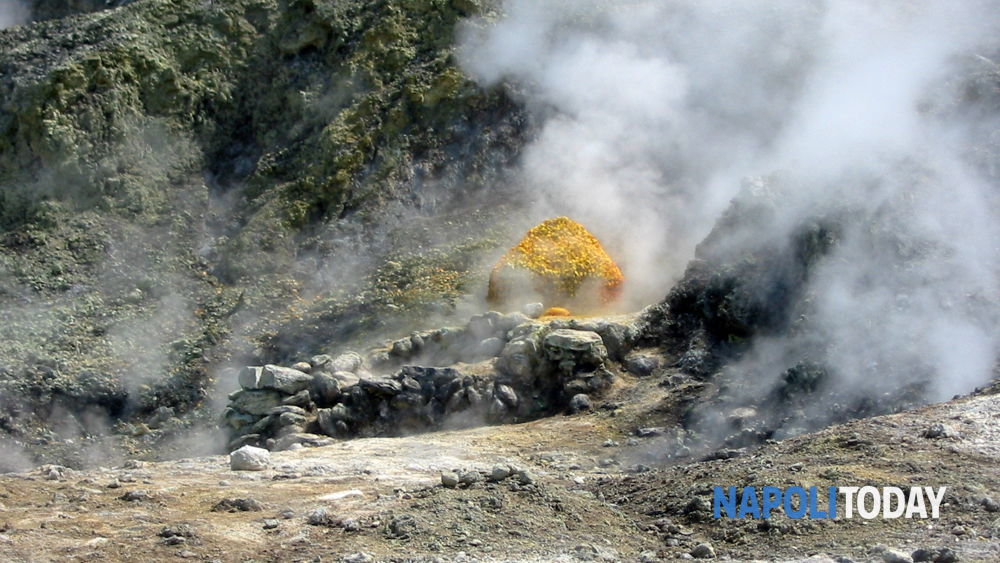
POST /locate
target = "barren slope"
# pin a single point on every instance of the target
(595, 494)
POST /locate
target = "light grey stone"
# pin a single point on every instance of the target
(533, 310)
(449, 479)
(507, 395)
(287, 380)
(249, 377)
(489, 348)
(895, 556)
(570, 348)
(499, 472)
(250, 458)
(350, 362)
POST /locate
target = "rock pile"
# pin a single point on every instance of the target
(498, 368)
(500, 472)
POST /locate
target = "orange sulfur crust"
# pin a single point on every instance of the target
(556, 312)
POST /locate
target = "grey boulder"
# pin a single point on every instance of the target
(255, 402)
(250, 458)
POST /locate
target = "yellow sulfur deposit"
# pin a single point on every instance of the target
(563, 263)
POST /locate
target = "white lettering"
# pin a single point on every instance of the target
(935, 500)
(888, 494)
(848, 500)
(915, 504)
(863, 510)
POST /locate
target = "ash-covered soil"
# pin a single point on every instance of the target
(584, 487)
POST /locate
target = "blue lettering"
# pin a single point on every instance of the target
(722, 501)
(772, 499)
(748, 505)
(831, 501)
(814, 511)
(800, 511)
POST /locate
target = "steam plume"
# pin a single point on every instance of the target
(653, 112)
(12, 12)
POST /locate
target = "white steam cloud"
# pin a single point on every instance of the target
(13, 13)
(652, 113)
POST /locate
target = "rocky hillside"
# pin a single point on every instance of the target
(191, 185)
(266, 227)
(188, 188)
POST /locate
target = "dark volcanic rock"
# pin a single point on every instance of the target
(736, 292)
(237, 505)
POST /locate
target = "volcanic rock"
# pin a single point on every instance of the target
(574, 349)
(521, 357)
(469, 477)
(499, 473)
(381, 386)
(249, 458)
(249, 377)
(301, 399)
(325, 389)
(238, 505)
(136, 496)
(703, 551)
(579, 402)
(507, 395)
(490, 347)
(348, 361)
(287, 380)
(320, 517)
(449, 479)
(641, 365)
(255, 402)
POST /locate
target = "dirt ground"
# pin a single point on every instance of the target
(593, 491)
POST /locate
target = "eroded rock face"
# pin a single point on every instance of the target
(521, 369)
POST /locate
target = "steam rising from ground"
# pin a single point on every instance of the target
(654, 112)
(12, 13)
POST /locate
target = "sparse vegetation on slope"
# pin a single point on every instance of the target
(179, 179)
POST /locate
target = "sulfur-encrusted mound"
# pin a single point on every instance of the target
(560, 262)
